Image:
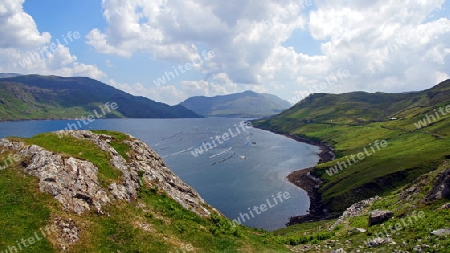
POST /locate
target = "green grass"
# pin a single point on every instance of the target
(350, 122)
(153, 222)
(170, 227)
(81, 149)
(414, 218)
(118, 141)
(23, 211)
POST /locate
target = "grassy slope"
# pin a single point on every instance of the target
(170, 226)
(19, 101)
(405, 205)
(53, 97)
(350, 122)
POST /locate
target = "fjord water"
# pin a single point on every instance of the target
(234, 177)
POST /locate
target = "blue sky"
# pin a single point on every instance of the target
(289, 48)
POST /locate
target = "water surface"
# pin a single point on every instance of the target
(234, 176)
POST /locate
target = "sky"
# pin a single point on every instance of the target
(169, 50)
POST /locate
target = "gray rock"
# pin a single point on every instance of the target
(74, 182)
(441, 187)
(71, 181)
(359, 230)
(441, 232)
(66, 231)
(379, 241)
(445, 206)
(379, 216)
(354, 210)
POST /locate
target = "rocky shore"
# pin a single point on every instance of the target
(303, 179)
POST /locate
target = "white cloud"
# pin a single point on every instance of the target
(168, 94)
(171, 94)
(18, 28)
(390, 46)
(241, 33)
(385, 45)
(25, 50)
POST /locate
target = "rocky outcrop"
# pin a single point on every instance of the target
(74, 182)
(379, 216)
(155, 172)
(356, 209)
(71, 181)
(441, 187)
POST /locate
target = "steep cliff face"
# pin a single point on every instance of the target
(74, 182)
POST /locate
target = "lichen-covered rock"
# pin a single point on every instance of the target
(74, 182)
(71, 181)
(155, 172)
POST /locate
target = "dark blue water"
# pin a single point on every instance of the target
(238, 174)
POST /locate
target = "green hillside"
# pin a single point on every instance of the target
(155, 222)
(354, 121)
(53, 97)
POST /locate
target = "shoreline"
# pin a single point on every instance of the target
(302, 179)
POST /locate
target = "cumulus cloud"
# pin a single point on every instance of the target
(384, 45)
(25, 50)
(220, 84)
(18, 28)
(241, 33)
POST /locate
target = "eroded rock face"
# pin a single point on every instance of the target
(74, 182)
(156, 174)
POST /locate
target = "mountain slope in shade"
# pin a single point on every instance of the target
(240, 105)
(54, 97)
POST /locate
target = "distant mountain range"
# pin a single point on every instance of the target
(248, 104)
(52, 97)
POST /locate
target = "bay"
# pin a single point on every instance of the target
(235, 176)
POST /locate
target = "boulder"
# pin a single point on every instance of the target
(359, 230)
(379, 216)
